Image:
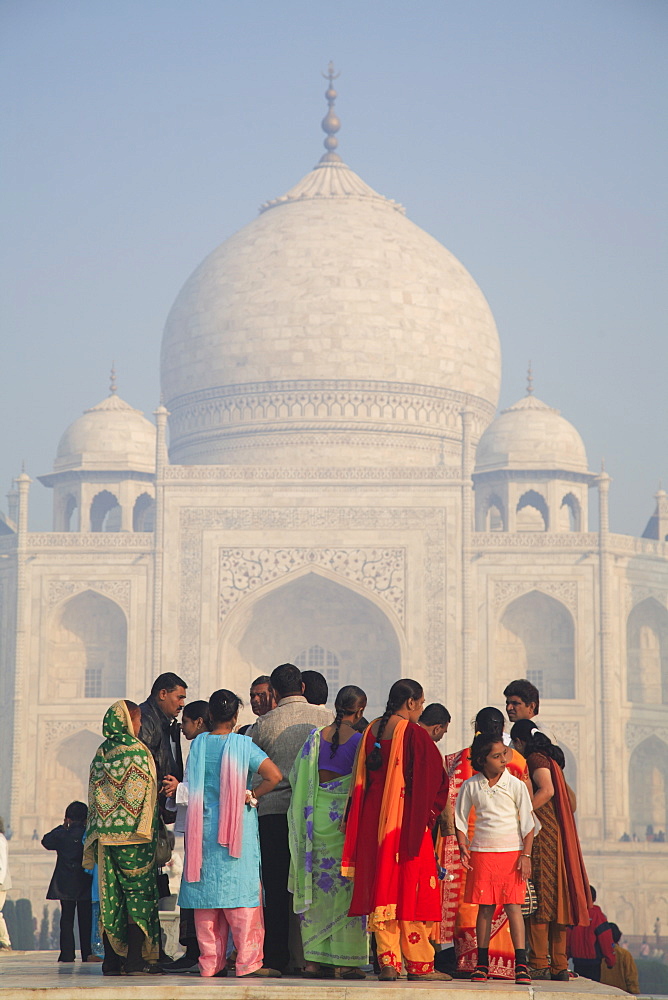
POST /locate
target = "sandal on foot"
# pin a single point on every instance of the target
(353, 974)
(388, 974)
(263, 973)
(480, 974)
(522, 975)
(429, 977)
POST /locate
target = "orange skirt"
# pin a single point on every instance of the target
(494, 878)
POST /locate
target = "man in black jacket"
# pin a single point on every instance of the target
(159, 729)
(162, 735)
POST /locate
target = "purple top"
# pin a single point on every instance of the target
(343, 759)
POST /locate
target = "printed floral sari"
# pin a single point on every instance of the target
(321, 894)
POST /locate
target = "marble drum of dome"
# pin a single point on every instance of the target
(330, 330)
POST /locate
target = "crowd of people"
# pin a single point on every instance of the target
(316, 842)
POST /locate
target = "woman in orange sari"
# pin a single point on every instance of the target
(459, 918)
(398, 791)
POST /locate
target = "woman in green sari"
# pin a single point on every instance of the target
(320, 782)
(122, 837)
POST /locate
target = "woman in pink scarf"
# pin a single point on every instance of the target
(221, 877)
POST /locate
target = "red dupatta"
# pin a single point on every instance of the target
(576, 873)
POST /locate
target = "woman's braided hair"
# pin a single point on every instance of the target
(347, 701)
(399, 694)
(536, 742)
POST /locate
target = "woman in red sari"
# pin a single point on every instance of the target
(459, 918)
(399, 790)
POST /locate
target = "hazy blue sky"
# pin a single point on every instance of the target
(528, 136)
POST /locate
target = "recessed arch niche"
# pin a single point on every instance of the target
(66, 771)
(647, 653)
(535, 638)
(307, 611)
(87, 649)
(648, 784)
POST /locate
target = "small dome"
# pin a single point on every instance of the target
(531, 435)
(109, 436)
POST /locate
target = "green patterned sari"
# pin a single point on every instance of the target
(122, 833)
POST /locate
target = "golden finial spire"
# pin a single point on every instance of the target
(112, 379)
(330, 123)
(530, 380)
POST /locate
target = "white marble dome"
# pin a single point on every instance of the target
(530, 435)
(330, 322)
(109, 436)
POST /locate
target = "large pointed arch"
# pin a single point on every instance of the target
(313, 607)
(648, 785)
(65, 774)
(647, 653)
(87, 649)
(535, 638)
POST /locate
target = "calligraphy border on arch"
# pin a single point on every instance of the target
(194, 521)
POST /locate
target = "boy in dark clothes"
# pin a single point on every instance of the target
(588, 945)
(70, 883)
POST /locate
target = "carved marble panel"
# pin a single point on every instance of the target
(636, 733)
(54, 730)
(116, 590)
(636, 593)
(569, 733)
(381, 571)
(562, 590)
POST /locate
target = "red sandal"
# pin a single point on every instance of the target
(480, 974)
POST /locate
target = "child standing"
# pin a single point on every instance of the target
(498, 860)
(70, 883)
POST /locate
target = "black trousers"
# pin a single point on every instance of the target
(588, 967)
(84, 909)
(275, 853)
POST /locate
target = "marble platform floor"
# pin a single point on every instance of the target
(33, 975)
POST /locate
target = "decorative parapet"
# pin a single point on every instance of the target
(269, 473)
(91, 540)
(577, 541)
(380, 571)
(535, 540)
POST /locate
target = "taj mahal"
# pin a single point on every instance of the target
(327, 481)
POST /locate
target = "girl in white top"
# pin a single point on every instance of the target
(498, 860)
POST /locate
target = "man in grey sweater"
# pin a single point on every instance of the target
(281, 734)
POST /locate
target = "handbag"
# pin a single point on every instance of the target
(530, 904)
(163, 851)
